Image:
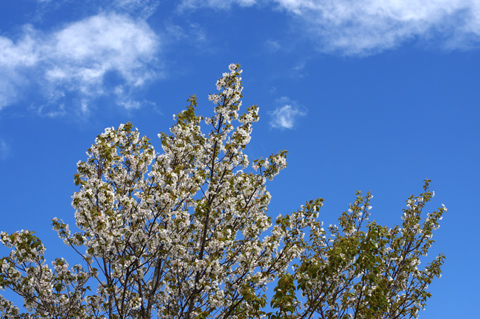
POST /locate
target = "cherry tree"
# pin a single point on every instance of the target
(184, 233)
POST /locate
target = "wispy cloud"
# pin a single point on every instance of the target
(138, 8)
(369, 26)
(273, 45)
(4, 150)
(192, 32)
(364, 27)
(216, 4)
(286, 115)
(15, 59)
(78, 59)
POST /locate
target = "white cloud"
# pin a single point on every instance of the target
(362, 27)
(370, 26)
(86, 50)
(77, 59)
(284, 117)
(15, 58)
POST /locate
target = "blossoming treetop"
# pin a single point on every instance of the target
(185, 234)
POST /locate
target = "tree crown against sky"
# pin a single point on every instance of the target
(185, 234)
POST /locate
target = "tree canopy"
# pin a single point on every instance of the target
(184, 233)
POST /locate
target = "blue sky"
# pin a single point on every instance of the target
(365, 95)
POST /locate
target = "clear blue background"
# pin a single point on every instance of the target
(382, 116)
